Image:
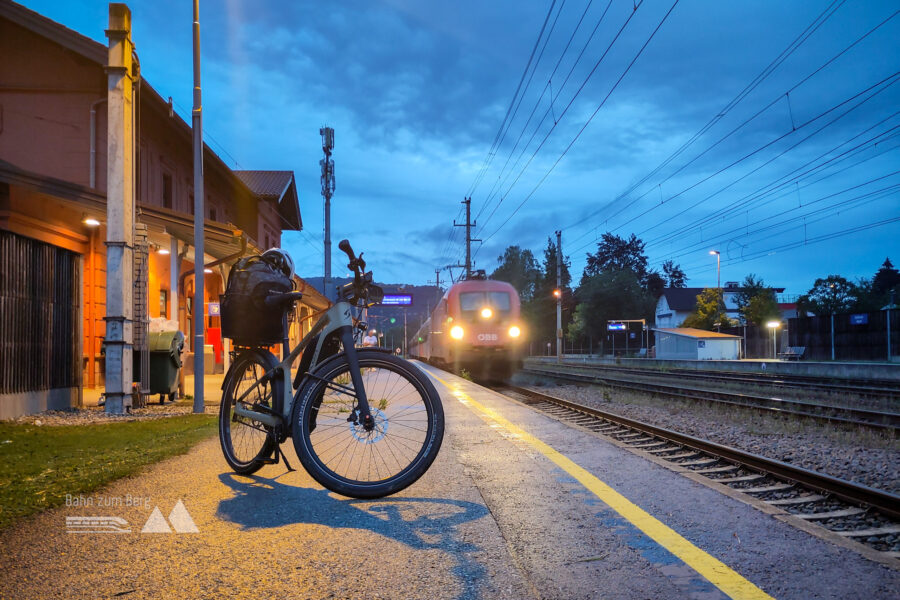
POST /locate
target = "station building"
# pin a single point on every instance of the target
(53, 144)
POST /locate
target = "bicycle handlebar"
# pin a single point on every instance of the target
(279, 299)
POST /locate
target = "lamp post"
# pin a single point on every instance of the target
(720, 300)
(773, 325)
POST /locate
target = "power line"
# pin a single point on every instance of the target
(591, 118)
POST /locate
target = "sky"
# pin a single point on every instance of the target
(766, 130)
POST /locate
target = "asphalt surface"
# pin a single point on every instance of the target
(493, 518)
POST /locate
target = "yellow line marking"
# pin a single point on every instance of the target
(718, 573)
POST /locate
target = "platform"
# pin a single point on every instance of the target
(517, 505)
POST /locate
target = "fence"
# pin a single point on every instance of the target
(859, 336)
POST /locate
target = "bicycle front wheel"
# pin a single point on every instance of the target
(247, 443)
(340, 454)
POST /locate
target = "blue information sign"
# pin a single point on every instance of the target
(397, 300)
(214, 309)
(862, 319)
(615, 326)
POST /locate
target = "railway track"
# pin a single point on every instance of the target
(843, 415)
(857, 513)
(871, 389)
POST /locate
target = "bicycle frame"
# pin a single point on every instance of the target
(337, 318)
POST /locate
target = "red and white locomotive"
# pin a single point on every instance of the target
(476, 326)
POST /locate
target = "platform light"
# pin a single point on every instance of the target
(514, 331)
(207, 271)
(773, 324)
(456, 333)
(90, 221)
(557, 293)
(161, 250)
(486, 313)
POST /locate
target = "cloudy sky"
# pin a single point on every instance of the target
(767, 130)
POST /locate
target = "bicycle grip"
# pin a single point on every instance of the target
(345, 246)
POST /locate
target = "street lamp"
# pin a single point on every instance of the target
(718, 268)
(773, 325)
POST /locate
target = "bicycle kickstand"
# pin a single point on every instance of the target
(280, 453)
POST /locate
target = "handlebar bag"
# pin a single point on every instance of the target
(245, 317)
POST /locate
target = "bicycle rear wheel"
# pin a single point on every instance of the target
(245, 442)
(345, 458)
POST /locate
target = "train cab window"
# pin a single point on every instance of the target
(471, 303)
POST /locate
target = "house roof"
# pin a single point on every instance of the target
(281, 188)
(681, 298)
(698, 333)
(686, 298)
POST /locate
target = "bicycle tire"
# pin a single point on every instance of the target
(395, 388)
(252, 435)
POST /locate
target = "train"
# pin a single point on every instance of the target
(476, 326)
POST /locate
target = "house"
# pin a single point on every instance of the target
(53, 144)
(686, 343)
(675, 304)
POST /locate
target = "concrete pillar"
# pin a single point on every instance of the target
(119, 211)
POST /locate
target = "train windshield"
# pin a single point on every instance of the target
(471, 303)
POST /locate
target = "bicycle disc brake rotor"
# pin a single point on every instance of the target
(370, 437)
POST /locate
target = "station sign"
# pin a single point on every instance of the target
(397, 300)
(615, 326)
(214, 309)
(862, 319)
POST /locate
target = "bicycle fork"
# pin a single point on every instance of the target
(362, 403)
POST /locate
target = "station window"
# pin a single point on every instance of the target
(164, 303)
(167, 191)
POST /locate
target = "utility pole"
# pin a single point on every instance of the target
(559, 296)
(199, 250)
(119, 211)
(327, 165)
(468, 225)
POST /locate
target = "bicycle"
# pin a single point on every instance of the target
(364, 423)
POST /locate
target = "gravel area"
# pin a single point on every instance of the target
(93, 415)
(862, 457)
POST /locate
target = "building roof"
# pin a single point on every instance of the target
(698, 333)
(686, 298)
(279, 187)
(682, 298)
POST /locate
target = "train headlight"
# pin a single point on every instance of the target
(514, 331)
(486, 313)
(456, 333)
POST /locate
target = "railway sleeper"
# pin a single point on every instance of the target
(796, 500)
(742, 478)
(832, 514)
(711, 470)
(700, 462)
(875, 531)
(764, 489)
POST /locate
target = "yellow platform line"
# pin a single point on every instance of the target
(718, 573)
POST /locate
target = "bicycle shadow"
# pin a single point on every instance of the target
(261, 502)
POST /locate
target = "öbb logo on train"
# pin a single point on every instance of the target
(487, 337)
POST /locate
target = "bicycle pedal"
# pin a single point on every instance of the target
(269, 460)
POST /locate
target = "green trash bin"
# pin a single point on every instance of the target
(165, 362)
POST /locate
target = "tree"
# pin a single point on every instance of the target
(655, 284)
(674, 274)
(886, 279)
(519, 268)
(865, 298)
(831, 295)
(757, 303)
(618, 254)
(540, 312)
(708, 314)
(611, 295)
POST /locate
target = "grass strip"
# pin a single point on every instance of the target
(40, 465)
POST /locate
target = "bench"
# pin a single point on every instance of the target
(792, 353)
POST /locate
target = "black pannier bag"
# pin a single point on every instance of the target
(245, 317)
